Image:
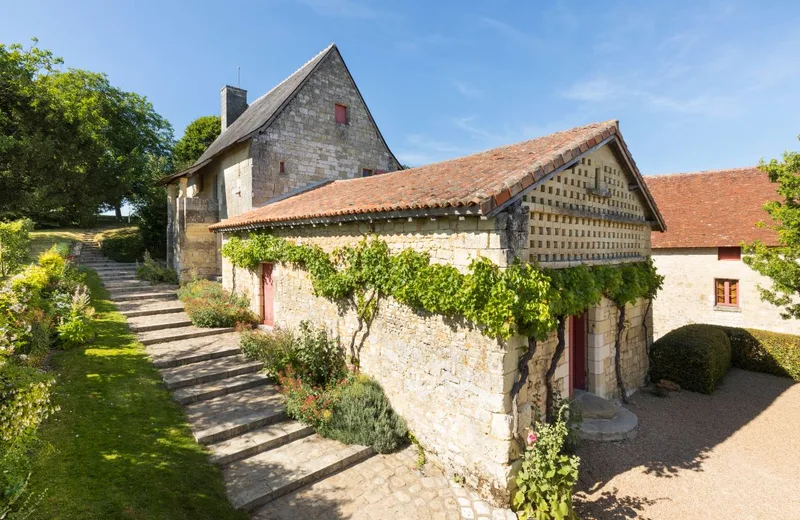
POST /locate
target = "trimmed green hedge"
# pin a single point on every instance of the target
(124, 245)
(694, 356)
(764, 351)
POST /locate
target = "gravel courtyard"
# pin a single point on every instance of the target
(733, 454)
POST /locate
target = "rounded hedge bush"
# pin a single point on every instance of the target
(763, 351)
(694, 356)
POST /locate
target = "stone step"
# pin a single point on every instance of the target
(133, 282)
(186, 351)
(225, 417)
(161, 336)
(117, 276)
(621, 426)
(132, 309)
(208, 371)
(258, 441)
(100, 264)
(264, 477)
(140, 289)
(111, 272)
(229, 385)
(150, 295)
(159, 322)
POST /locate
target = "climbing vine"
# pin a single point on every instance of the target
(520, 299)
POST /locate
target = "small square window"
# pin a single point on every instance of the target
(729, 253)
(282, 167)
(366, 172)
(341, 114)
(726, 292)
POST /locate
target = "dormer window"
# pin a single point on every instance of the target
(341, 114)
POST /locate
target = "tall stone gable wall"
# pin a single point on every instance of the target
(688, 294)
(312, 146)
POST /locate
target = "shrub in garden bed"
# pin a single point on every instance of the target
(45, 305)
(153, 271)
(764, 351)
(694, 356)
(15, 238)
(319, 391)
(209, 305)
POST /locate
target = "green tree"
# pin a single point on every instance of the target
(70, 142)
(781, 264)
(197, 137)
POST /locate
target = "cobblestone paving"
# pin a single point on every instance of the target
(384, 487)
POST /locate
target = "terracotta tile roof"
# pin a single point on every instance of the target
(712, 208)
(475, 184)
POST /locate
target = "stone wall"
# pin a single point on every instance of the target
(688, 293)
(312, 146)
(446, 378)
(602, 329)
(196, 250)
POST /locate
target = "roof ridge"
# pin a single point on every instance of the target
(287, 78)
(599, 124)
(701, 172)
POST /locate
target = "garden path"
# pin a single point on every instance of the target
(273, 466)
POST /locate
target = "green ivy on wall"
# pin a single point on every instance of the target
(519, 299)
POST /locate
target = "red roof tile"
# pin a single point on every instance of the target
(479, 182)
(712, 208)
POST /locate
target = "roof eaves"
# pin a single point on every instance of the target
(188, 171)
(471, 210)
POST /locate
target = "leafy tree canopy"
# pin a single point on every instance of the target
(198, 136)
(70, 142)
(781, 264)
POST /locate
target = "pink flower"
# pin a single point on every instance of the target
(532, 438)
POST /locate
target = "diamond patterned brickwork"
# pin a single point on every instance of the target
(587, 214)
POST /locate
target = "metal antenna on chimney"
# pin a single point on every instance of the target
(238, 76)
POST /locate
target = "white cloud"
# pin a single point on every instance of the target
(595, 89)
(466, 89)
(511, 33)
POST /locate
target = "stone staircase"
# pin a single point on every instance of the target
(231, 406)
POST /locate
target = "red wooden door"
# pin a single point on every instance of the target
(267, 295)
(577, 352)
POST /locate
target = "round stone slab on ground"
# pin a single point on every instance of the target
(620, 427)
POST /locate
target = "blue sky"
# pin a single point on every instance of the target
(696, 85)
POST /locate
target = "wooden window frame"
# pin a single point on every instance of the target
(346, 114)
(727, 254)
(727, 285)
(282, 167)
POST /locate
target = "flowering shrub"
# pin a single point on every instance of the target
(153, 271)
(312, 405)
(548, 475)
(77, 327)
(209, 305)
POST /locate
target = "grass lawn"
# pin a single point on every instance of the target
(120, 447)
(44, 240)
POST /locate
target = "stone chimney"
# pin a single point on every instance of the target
(234, 103)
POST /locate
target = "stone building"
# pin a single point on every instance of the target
(574, 197)
(313, 126)
(710, 215)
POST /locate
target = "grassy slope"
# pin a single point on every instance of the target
(44, 240)
(120, 446)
